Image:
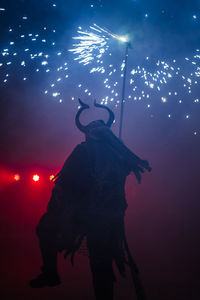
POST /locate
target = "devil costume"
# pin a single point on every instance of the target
(88, 201)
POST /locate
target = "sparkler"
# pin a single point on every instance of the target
(123, 90)
(89, 43)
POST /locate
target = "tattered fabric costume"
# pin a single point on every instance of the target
(88, 201)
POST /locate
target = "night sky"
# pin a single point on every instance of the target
(40, 83)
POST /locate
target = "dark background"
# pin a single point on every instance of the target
(37, 134)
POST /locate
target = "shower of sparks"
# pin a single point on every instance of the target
(93, 50)
(145, 82)
(93, 44)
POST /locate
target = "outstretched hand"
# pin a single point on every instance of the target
(145, 165)
(140, 168)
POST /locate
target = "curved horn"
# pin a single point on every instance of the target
(78, 123)
(111, 114)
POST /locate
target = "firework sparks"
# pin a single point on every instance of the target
(91, 45)
(92, 49)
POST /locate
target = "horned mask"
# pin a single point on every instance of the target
(88, 129)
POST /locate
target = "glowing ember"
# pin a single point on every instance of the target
(51, 177)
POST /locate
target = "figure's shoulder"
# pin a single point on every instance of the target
(80, 149)
(75, 156)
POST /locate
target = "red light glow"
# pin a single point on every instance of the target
(36, 178)
(16, 177)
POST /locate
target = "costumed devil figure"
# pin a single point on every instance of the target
(88, 202)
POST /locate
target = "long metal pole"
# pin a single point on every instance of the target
(123, 92)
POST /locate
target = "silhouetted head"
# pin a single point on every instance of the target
(93, 127)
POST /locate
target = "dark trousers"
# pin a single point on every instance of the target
(100, 254)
